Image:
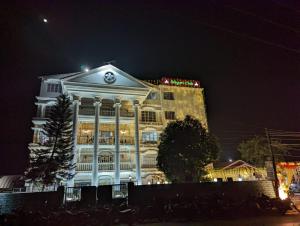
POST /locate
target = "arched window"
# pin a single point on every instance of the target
(105, 157)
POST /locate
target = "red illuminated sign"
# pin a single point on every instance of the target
(180, 82)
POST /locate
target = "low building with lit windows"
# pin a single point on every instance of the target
(117, 121)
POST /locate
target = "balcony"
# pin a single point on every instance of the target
(124, 140)
(149, 142)
(125, 113)
(157, 122)
(148, 166)
(86, 110)
(108, 112)
(87, 167)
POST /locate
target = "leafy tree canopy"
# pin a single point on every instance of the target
(50, 161)
(185, 148)
(256, 150)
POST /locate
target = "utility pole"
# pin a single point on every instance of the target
(273, 163)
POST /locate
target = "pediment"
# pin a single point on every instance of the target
(107, 75)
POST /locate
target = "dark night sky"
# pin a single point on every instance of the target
(246, 56)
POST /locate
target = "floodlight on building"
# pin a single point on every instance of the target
(149, 182)
(215, 180)
(158, 182)
(86, 69)
(240, 179)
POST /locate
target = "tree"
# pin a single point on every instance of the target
(256, 150)
(50, 162)
(184, 150)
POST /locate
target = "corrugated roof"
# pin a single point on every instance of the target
(8, 181)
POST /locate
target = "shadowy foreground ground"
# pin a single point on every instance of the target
(291, 219)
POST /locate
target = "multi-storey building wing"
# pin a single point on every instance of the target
(117, 120)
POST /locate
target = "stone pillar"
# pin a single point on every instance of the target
(76, 103)
(117, 107)
(137, 143)
(97, 105)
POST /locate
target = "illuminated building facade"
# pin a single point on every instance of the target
(117, 121)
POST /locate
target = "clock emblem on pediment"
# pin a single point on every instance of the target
(109, 77)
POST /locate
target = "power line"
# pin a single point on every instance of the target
(250, 37)
(295, 156)
(285, 6)
(241, 35)
(263, 19)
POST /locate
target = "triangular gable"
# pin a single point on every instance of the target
(107, 75)
(237, 164)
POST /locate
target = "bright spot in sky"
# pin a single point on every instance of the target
(45, 20)
(230, 160)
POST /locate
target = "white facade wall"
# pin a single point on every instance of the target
(113, 87)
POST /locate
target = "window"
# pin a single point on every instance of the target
(124, 157)
(168, 96)
(152, 96)
(106, 158)
(149, 161)
(148, 116)
(149, 137)
(53, 88)
(106, 137)
(106, 133)
(48, 111)
(86, 159)
(170, 115)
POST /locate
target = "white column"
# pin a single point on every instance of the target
(117, 142)
(42, 110)
(137, 143)
(97, 105)
(76, 103)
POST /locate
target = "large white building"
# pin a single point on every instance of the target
(117, 120)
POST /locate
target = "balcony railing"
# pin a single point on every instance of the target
(147, 166)
(124, 113)
(86, 110)
(109, 112)
(107, 140)
(157, 122)
(86, 167)
(149, 142)
(124, 140)
(85, 140)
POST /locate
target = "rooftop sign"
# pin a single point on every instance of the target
(180, 82)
